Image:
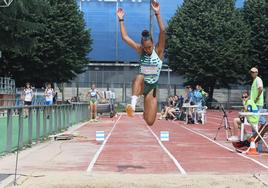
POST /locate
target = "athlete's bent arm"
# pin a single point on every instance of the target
(125, 37)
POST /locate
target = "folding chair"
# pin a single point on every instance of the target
(201, 113)
(254, 127)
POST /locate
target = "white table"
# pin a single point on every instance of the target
(257, 131)
(188, 107)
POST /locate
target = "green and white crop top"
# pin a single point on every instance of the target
(150, 67)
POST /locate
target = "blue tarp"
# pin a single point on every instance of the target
(100, 17)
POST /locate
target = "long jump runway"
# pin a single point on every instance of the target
(131, 147)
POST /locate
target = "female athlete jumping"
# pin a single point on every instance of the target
(150, 66)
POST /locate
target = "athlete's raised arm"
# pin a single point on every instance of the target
(162, 34)
(125, 37)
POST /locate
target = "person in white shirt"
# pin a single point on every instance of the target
(49, 93)
(27, 95)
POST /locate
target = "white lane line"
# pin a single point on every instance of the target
(179, 167)
(96, 156)
(242, 155)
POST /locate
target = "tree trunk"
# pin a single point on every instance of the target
(210, 95)
(266, 97)
(62, 92)
(61, 88)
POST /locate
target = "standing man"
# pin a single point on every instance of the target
(256, 94)
(151, 57)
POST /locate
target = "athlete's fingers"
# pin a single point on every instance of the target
(120, 11)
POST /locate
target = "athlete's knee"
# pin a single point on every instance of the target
(138, 78)
(236, 120)
(150, 122)
(149, 119)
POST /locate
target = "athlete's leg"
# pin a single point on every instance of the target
(137, 90)
(237, 123)
(26, 111)
(95, 110)
(171, 112)
(138, 85)
(150, 107)
(166, 111)
(91, 111)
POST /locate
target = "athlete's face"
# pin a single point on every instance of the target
(28, 85)
(93, 86)
(148, 47)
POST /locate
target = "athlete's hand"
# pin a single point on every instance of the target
(155, 6)
(120, 13)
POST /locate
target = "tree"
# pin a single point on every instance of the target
(17, 28)
(208, 43)
(16, 21)
(256, 16)
(61, 47)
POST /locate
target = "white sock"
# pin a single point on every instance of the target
(134, 101)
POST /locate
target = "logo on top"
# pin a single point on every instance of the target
(5, 3)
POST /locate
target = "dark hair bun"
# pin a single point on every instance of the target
(145, 33)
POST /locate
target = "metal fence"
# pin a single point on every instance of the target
(7, 85)
(25, 126)
(227, 97)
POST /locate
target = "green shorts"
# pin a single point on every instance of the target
(93, 101)
(149, 87)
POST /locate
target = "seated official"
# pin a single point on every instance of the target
(249, 106)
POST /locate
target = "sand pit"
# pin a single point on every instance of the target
(82, 180)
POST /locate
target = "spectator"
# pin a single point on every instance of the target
(172, 108)
(49, 93)
(249, 106)
(256, 94)
(27, 96)
(188, 94)
(166, 110)
(204, 94)
(191, 100)
(197, 96)
(55, 98)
